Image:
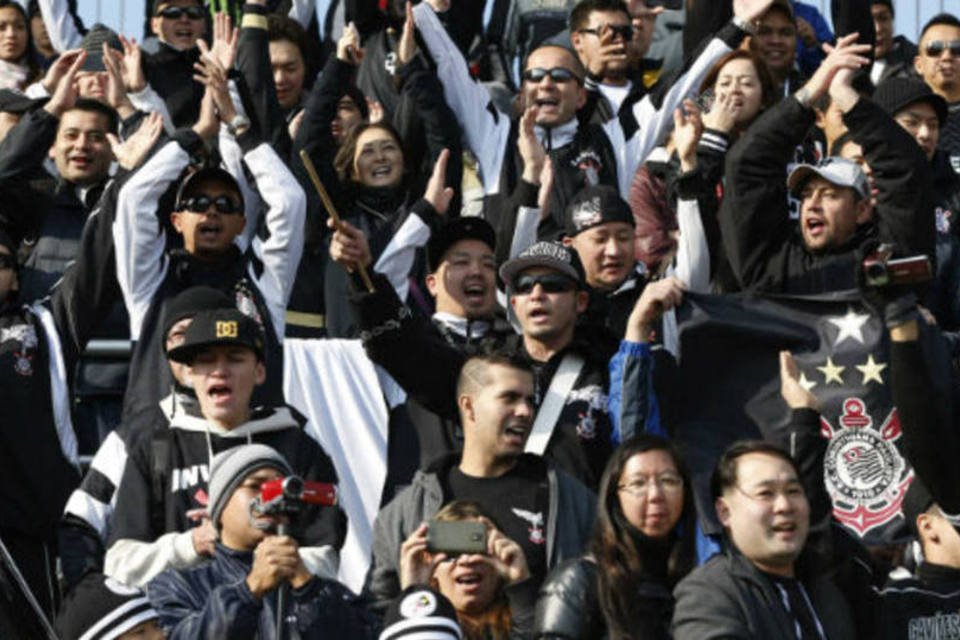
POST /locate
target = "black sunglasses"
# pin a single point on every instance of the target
(7, 261)
(625, 31)
(549, 282)
(557, 74)
(199, 204)
(936, 47)
(174, 13)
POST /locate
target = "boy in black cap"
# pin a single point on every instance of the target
(234, 595)
(220, 246)
(161, 496)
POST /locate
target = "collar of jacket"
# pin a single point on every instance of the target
(466, 328)
(229, 263)
(261, 421)
(938, 574)
(231, 563)
(444, 464)
(180, 402)
(635, 279)
(559, 136)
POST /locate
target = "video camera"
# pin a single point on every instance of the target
(287, 496)
(881, 269)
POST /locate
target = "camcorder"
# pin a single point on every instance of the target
(288, 496)
(881, 269)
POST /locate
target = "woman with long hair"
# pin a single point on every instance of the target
(489, 591)
(643, 544)
(18, 63)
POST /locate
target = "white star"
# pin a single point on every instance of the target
(806, 384)
(850, 325)
(831, 372)
(871, 370)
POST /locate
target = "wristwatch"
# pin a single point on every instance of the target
(238, 122)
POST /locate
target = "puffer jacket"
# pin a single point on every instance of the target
(213, 601)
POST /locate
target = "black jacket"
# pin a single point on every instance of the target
(923, 606)
(765, 247)
(213, 601)
(170, 73)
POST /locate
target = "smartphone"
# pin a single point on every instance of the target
(456, 538)
(705, 100)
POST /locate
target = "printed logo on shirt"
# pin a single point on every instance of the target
(940, 626)
(587, 417)
(535, 520)
(23, 366)
(189, 477)
(588, 161)
(25, 334)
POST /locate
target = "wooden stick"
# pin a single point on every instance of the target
(328, 205)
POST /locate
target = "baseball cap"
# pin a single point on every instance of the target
(219, 327)
(191, 301)
(918, 501)
(595, 205)
(229, 468)
(421, 613)
(838, 171)
(103, 608)
(206, 174)
(455, 230)
(896, 94)
(551, 254)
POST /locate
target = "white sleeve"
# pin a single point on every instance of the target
(232, 157)
(485, 128)
(135, 563)
(286, 215)
(302, 11)
(397, 258)
(36, 90)
(525, 232)
(137, 234)
(60, 25)
(655, 123)
(693, 253)
(109, 462)
(148, 100)
(321, 561)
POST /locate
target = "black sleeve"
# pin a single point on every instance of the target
(904, 211)
(253, 62)
(754, 219)
(409, 347)
(853, 16)
(132, 518)
(924, 391)
(703, 17)
(24, 149)
(80, 550)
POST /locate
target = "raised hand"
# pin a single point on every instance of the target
(847, 54)
(657, 297)
(611, 51)
(529, 147)
(65, 93)
(416, 563)
(407, 47)
(207, 124)
(374, 110)
(213, 76)
(59, 69)
(750, 10)
(226, 39)
(133, 78)
(348, 246)
(723, 114)
(687, 128)
(506, 556)
(792, 390)
(348, 46)
(131, 152)
(437, 193)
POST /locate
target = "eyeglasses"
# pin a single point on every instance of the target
(199, 204)
(7, 261)
(175, 13)
(641, 485)
(936, 47)
(557, 74)
(625, 31)
(549, 282)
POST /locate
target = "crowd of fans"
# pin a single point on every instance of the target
(506, 203)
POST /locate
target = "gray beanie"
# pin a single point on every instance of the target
(230, 467)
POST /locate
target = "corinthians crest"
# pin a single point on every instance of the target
(865, 474)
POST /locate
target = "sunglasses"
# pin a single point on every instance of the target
(200, 204)
(935, 48)
(557, 74)
(549, 282)
(175, 13)
(625, 31)
(7, 261)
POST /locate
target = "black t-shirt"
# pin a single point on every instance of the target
(517, 502)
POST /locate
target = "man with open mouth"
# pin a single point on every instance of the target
(159, 519)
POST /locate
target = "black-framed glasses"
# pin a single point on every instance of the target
(200, 204)
(175, 13)
(625, 31)
(935, 48)
(549, 282)
(7, 261)
(557, 74)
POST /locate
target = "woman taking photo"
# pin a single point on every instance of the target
(642, 546)
(490, 592)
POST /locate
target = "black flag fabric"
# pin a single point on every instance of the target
(729, 388)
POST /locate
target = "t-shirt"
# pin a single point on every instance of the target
(517, 502)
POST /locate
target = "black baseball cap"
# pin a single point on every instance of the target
(455, 230)
(206, 174)
(219, 327)
(596, 205)
(189, 303)
(917, 501)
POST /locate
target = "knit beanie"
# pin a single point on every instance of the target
(423, 614)
(230, 467)
(103, 609)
